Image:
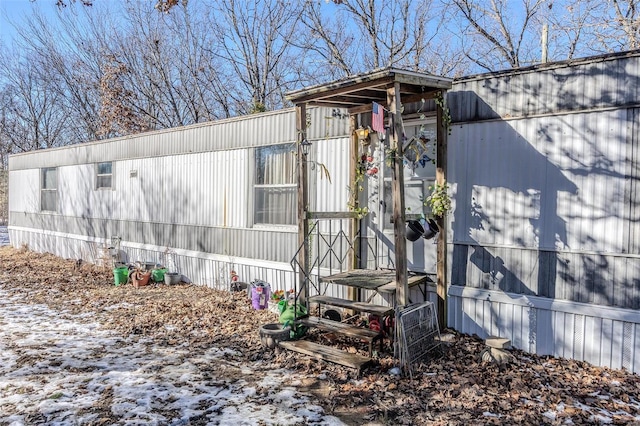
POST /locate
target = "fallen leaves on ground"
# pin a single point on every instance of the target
(453, 388)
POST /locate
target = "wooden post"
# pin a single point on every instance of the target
(397, 190)
(303, 203)
(352, 292)
(441, 174)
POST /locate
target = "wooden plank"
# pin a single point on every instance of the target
(354, 225)
(350, 304)
(411, 282)
(397, 193)
(441, 251)
(303, 202)
(326, 353)
(341, 328)
(332, 215)
(372, 279)
(361, 278)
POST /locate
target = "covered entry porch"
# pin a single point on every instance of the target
(377, 104)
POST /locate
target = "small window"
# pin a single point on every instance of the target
(104, 175)
(276, 190)
(49, 192)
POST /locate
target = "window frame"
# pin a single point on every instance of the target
(44, 189)
(99, 175)
(292, 185)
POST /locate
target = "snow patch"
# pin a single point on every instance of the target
(66, 369)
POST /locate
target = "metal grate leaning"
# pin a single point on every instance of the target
(418, 333)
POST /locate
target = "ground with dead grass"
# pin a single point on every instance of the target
(455, 388)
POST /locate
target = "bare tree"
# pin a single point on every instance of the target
(627, 15)
(253, 40)
(499, 33)
(68, 54)
(587, 27)
(614, 25)
(31, 116)
(351, 36)
(329, 40)
(158, 66)
(570, 28)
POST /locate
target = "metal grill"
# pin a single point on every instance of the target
(418, 333)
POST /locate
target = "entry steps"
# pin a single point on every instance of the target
(327, 353)
(370, 336)
(369, 308)
(331, 354)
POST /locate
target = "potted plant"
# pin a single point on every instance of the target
(139, 277)
(439, 201)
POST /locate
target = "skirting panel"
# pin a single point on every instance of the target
(600, 335)
(198, 267)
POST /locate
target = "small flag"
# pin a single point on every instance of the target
(377, 118)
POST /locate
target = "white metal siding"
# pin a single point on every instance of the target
(543, 172)
(24, 190)
(549, 182)
(599, 335)
(581, 85)
(242, 132)
(330, 192)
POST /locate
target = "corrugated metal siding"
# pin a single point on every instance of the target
(603, 83)
(326, 123)
(601, 336)
(24, 191)
(275, 245)
(207, 189)
(552, 183)
(605, 280)
(421, 254)
(243, 132)
(330, 193)
(545, 207)
(632, 190)
(195, 267)
(544, 173)
(199, 201)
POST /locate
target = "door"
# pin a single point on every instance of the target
(419, 174)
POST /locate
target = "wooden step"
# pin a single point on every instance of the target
(341, 328)
(350, 304)
(345, 329)
(327, 353)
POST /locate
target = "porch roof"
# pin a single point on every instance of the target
(363, 89)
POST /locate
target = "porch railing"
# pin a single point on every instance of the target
(332, 249)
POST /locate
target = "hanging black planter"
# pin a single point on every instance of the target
(414, 230)
(432, 229)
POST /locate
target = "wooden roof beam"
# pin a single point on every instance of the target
(335, 90)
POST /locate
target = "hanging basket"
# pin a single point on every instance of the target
(414, 230)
